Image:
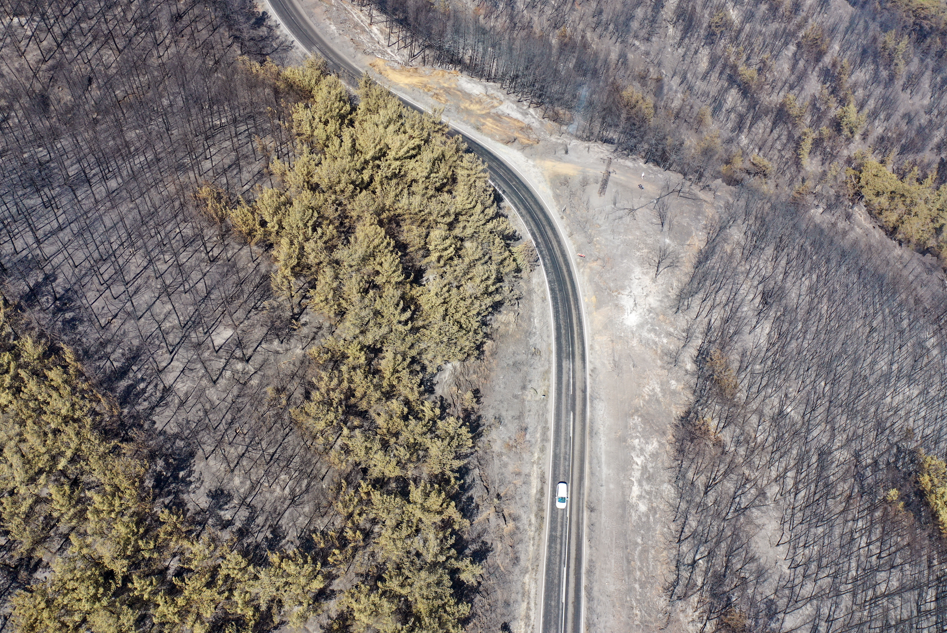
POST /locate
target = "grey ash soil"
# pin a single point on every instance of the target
(638, 382)
(506, 475)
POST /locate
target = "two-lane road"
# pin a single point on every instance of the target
(561, 606)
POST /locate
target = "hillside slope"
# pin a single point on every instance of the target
(779, 94)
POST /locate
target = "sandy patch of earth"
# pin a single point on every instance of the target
(446, 88)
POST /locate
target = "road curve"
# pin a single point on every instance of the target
(561, 603)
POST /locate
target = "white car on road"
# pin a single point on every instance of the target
(562, 494)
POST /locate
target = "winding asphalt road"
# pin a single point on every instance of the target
(561, 602)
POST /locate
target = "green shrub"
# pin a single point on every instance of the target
(894, 51)
(849, 121)
(733, 171)
(912, 209)
(814, 41)
(843, 72)
(749, 77)
(932, 480)
(723, 374)
(805, 146)
(709, 144)
(638, 105)
(795, 111)
(761, 167)
(720, 22)
(801, 194)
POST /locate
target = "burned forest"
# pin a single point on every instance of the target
(114, 115)
(808, 473)
(249, 317)
(780, 95)
(204, 428)
(819, 400)
(112, 121)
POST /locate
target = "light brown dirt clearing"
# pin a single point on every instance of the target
(445, 88)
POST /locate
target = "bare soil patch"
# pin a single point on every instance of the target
(637, 245)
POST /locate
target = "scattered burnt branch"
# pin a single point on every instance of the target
(665, 257)
(603, 185)
(662, 212)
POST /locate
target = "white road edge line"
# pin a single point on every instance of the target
(563, 582)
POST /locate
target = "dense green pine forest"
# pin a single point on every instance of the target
(388, 230)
